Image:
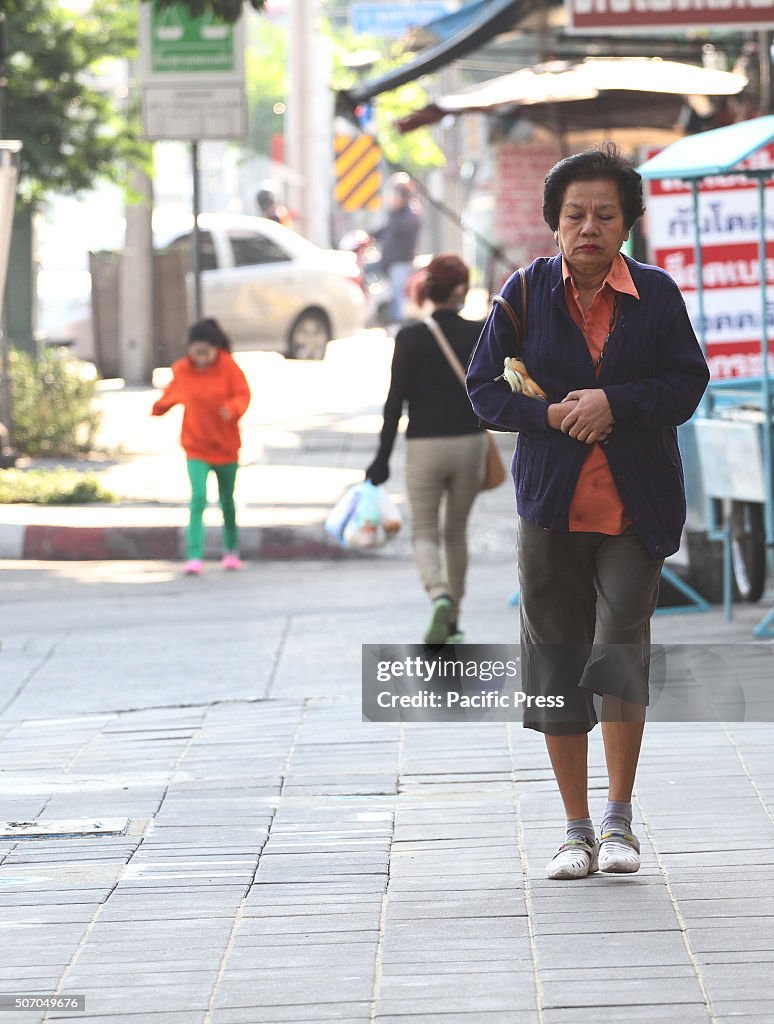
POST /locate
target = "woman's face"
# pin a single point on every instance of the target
(202, 354)
(591, 225)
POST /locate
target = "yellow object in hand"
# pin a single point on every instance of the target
(515, 373)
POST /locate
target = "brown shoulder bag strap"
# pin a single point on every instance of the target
(517, 324)
(443, 343)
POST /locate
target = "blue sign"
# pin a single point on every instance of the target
(391, 21)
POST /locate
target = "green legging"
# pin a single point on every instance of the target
(198, 472)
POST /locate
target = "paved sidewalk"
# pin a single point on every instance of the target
(283, 861)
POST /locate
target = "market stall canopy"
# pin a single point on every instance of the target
(605, 92)
(475, 25)
(715, 152)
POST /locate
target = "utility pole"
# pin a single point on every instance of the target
(135, 313)
(3, 72)
(299, 104)
(309, 124)
(9, 169)
(196, 244)
(136, 288)
(8, 165)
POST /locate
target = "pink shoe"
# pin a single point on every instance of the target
(193, 567)
(232, 561)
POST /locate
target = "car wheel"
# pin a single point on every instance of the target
(309, 336)
(748, 549)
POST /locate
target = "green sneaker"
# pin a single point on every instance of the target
(456, 636)
(438, 631)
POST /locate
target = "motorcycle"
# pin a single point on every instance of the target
(378, 288)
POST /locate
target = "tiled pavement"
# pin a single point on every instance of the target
(285, 862)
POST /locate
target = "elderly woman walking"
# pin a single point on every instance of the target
(599, 483)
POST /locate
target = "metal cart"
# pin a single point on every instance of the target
(733, 426)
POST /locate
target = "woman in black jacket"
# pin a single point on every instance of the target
(446, 447)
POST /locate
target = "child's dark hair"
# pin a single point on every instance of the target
(209, 330)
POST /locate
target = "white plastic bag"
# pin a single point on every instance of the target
(364, 517)
(340, 514)
(391, 517)
(364, 527)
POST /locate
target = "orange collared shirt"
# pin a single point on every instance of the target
(596, 505)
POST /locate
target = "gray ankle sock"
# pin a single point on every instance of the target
(580, 828)
(617, 817)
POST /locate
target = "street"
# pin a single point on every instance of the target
(203, 820)
(274, 858)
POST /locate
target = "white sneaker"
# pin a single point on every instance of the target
(619, 853)
(575, 858)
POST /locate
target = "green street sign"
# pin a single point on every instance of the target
(184, 45)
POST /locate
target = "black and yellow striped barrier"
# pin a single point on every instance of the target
(358, 172)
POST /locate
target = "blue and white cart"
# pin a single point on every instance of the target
(733, 426)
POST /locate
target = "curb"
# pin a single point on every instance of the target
(141, 543)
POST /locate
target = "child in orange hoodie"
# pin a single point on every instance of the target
(214, 393)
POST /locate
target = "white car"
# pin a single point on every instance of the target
(272, 289)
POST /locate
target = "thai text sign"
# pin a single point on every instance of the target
(667, 15)
(729, 232)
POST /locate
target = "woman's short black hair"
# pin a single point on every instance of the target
(601, 162)
(209, 330)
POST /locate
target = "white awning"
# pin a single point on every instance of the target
(560, 82)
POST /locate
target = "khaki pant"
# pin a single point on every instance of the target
(443, 477)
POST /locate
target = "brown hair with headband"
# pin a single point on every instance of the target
(442, 275)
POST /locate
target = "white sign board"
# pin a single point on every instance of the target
(193, 113)
(192, 73)
(731, 457)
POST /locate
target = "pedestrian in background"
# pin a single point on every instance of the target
(398, 244)
(270, 208)
(599, 482)
(214, 394)
(446, 447)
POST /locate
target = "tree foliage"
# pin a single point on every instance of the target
(226, 10)
(53, 405)
(266, 70)
(415, 152)
(72, 126)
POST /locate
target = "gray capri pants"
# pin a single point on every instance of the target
(586, 604)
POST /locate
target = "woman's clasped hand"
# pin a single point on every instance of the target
(584, 415)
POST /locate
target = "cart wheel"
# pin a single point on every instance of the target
(748, 549)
